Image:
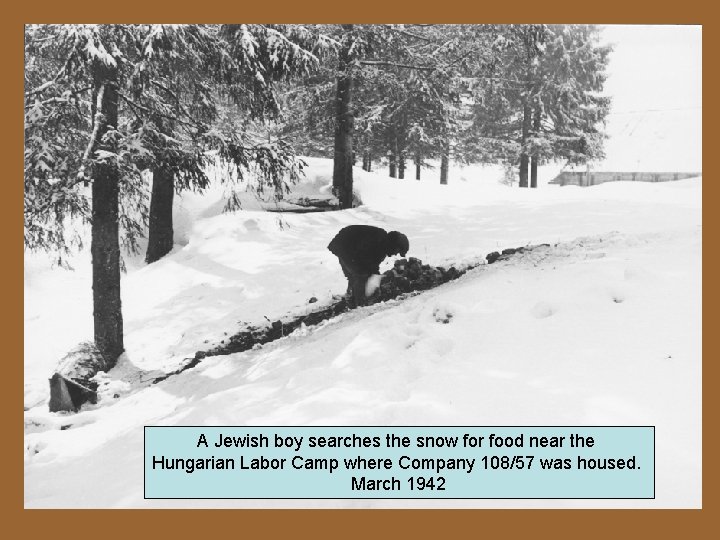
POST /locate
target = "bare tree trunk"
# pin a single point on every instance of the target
(160, 234)
(105, 243)
(393, 165)
(533, 171)
(524, 156)
(343, 158)
(535, 158)
(366, 161)
(445, 164)
(401, 165)
(418, 166)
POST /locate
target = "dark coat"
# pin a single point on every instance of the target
(361, 247)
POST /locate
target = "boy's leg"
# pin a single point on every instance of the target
(356, 284)
(348, 275)
(358, 287)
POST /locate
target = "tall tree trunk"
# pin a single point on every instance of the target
(445, 163)
(535, 158)
(418, 166)
(392, 162)
(366, 161)
(533, 171)
(524, 156)
(343, 158)
(160, 234)
(401, 165)
(105, 243)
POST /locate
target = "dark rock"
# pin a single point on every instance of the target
(492, 257)
(312, 300)
(424, 283)
(413, 271)
(72, 383)
(403, 284)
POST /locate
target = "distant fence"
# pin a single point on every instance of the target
(568, 178)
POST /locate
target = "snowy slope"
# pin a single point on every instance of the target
(604, 328)
(655, 80)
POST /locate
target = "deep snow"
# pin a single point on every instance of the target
(602, 328)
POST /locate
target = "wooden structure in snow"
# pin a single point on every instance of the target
(592, 178)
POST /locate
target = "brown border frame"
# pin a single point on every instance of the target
(329, 523)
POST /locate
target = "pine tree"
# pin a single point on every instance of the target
(89, 58)
(528, 46)
(344, 120)
(539, 98)
(400, 102)
(104, 103)
(570, 109)
(188, 69)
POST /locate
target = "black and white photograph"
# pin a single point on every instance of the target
(358, 225)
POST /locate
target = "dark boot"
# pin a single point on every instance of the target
(350, 297)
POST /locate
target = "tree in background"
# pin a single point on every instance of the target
(515, 95)
(504, 89)
(539, 98)
(212, 88)
(394, 94)
(569, 108)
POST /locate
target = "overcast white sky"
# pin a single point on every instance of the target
(655, 80)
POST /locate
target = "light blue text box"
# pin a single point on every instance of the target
(491, 462)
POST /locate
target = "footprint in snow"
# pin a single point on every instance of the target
(34, 447)
(542, 310)
(251, 225)
(617, 294)
(443, 315)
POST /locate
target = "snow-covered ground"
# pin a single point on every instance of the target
(602, 328)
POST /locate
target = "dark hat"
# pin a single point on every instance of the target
(398, 242)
